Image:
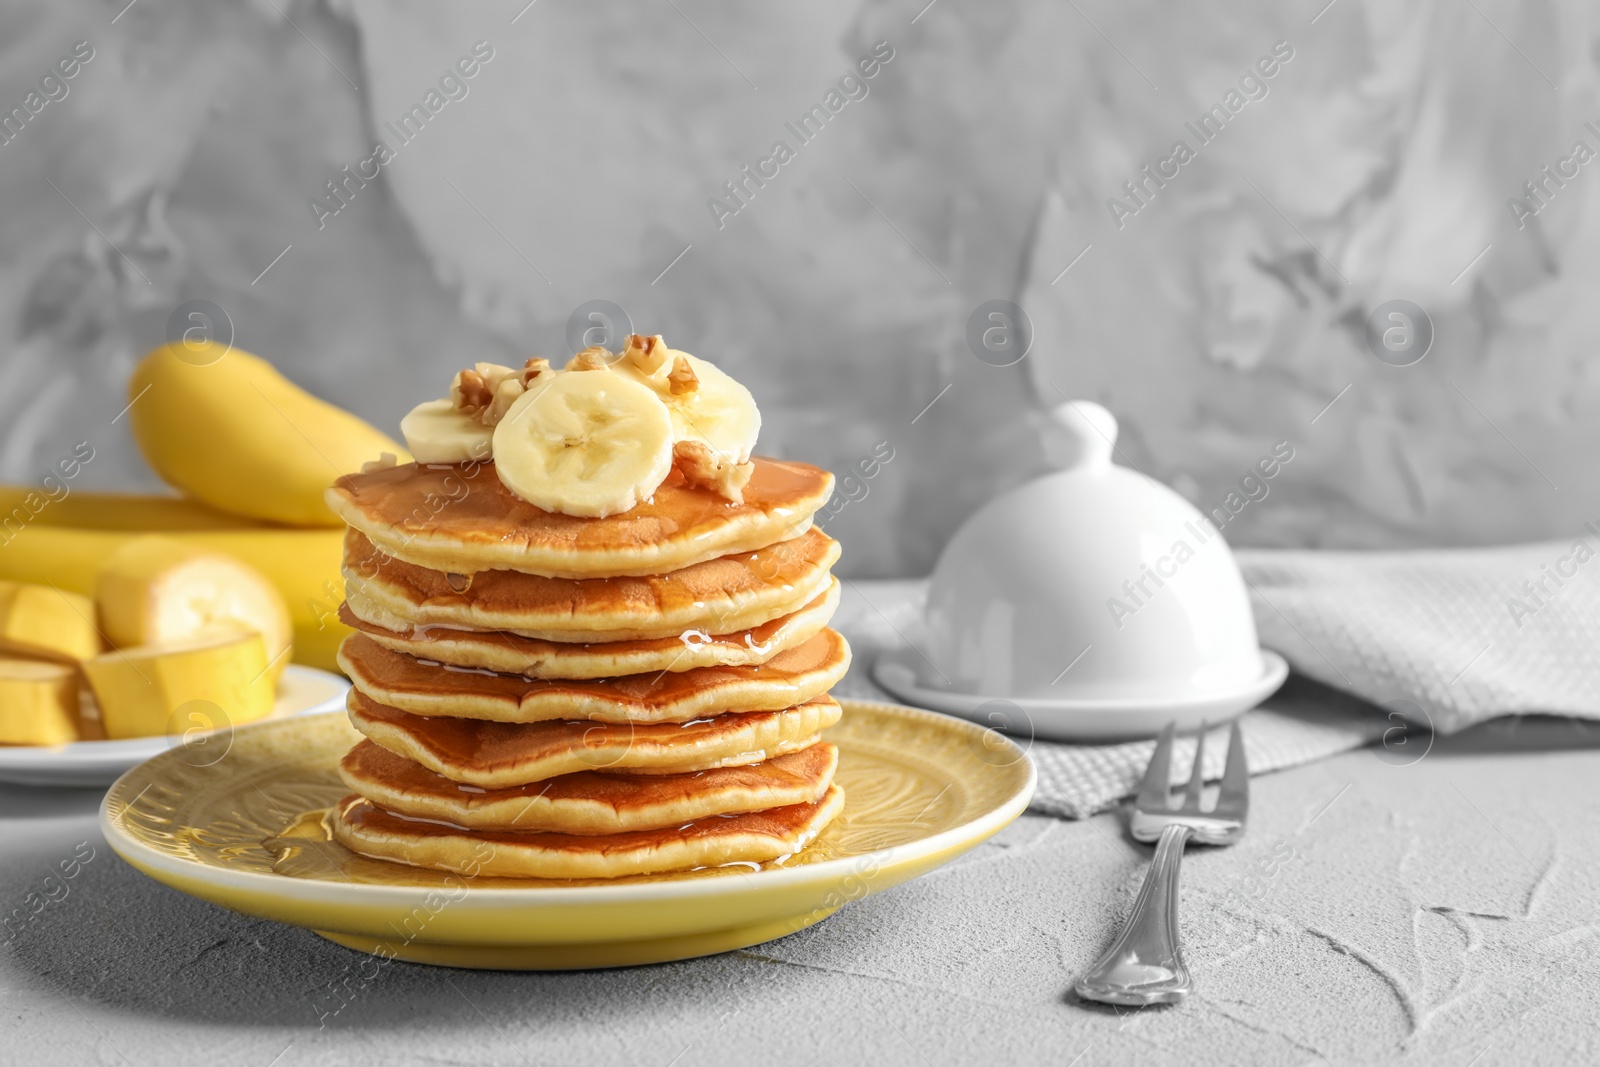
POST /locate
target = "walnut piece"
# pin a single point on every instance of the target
(703, 468)
(493, 374)
(648, 354)
(595, 357)
(533, 370)
(509, 392)
(487, 391)
(470, 393)
(682, 379)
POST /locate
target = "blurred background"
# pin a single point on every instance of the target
(1219, 299)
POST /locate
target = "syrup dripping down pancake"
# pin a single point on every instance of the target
(791, 677)
(460, 519)
(590, 802)
(751, 838)
(508, 653)
(717, 596)
(497, 755)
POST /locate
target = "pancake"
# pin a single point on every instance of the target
(497, 755)
(535, 658)
(461, 519)
(589, 802)
(791, 677)
(719, 595)
(751, 838)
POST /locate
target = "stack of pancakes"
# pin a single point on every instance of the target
(588, 698)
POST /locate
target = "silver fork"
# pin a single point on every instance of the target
(1144, 965)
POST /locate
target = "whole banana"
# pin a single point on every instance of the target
(226, 428)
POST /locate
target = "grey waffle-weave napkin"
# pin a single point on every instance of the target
(1429, 636)
(1466, 634)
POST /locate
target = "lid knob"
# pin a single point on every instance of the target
(1091, 433)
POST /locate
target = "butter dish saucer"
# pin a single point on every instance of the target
(1085, 720)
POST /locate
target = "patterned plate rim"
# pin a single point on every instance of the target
(984, 825)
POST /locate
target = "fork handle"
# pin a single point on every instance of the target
(1145, 963)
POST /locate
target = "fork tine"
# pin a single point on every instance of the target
(1233, 798)
(1197, 776)
(1157, 785)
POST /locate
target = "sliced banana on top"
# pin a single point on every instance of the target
(706, 405)
(589, 444)
(439, 432)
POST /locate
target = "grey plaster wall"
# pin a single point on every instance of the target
(1217, 314)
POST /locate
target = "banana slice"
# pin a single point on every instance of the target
(38, 702)
(705, 404)
(156, 590)
(37, 620)
(436, 432)
(588, 443)
(143, 691)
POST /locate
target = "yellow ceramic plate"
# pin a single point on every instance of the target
(247, 833)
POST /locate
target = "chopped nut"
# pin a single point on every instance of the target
(488, 390)
(682, 379)
(504, 397)
(595, 357)
(648, 354)
(533, 370)
(470, 393)
(493, 374)
(703, 468)
(383, 462)
(485, 392)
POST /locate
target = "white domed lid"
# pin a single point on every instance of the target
(1095, 582)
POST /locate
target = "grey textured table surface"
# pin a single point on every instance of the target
(1443, 912)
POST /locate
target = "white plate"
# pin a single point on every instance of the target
(301, 691)
(1096, 721)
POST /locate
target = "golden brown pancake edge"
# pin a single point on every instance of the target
(749, 838)
(589, 802)
(461, 519)
(495, 755)
(427, 687)
(508, 653)
(718, 595)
